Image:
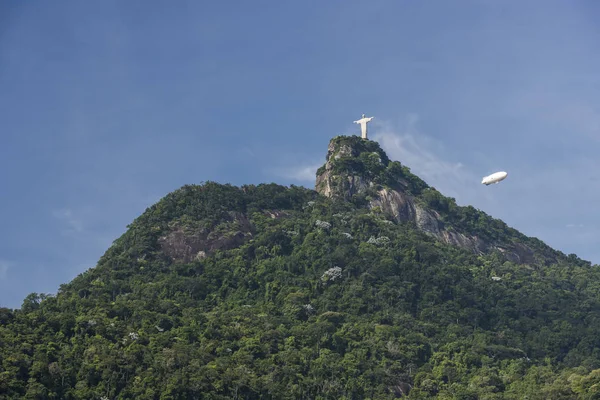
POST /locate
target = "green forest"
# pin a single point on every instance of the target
(299, 296)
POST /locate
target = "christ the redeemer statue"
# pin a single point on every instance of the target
(363, 125)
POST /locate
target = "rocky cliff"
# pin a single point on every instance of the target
(358, 170)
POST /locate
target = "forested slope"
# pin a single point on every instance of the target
(223, 292)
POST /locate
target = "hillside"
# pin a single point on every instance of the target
(372, 286)
(359, 171)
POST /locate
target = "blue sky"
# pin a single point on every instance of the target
(108, 106)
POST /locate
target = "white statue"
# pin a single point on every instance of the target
(363, 125)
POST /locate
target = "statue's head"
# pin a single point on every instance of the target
(363, 115)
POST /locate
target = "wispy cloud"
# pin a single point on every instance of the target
(4, 266)
(424, 156)
(66, 215)
(246, 152)
(301, 173)
(535, 199)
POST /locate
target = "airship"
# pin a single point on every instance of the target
(496, 177)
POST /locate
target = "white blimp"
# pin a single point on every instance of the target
(496, 177)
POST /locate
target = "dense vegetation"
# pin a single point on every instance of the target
(329, 301)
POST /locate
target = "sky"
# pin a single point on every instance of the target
(106, 107)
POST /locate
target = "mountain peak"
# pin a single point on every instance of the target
(354, 146)
(359, 171)
(355, 165)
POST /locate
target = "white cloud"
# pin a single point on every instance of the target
(66, 215)
(302, 173)
(421, 154)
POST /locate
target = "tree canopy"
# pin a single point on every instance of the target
(320, 300)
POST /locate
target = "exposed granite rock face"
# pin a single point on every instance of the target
(341, 151)
(276, 214)
(403, 208)
(397, 204)
(323, 184)
(185, 245)
(345, 182)
(340, 182)
(517, 253)
(330, 184)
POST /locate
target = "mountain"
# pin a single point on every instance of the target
(372, 286)
(358, 170)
